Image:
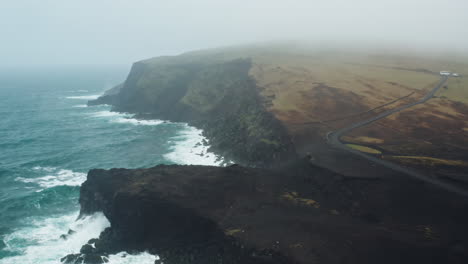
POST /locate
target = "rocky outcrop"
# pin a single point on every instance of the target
(216, 95)
(285, 210)
(109, 97)
(301, 214)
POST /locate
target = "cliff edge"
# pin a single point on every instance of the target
(263, 110)
(301, 214)
(217, 95)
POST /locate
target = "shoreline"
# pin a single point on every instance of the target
(249, 215)
(202, 143)
(272, 208)
(236, 122)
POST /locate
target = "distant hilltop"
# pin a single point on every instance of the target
(306, 200)
(267, 104)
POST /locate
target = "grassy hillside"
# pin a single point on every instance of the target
(212, 93)
(311, 91)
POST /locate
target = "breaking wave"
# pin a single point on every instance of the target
(55, 177)
(84, 97)
(42, 242)
(125, 118)
(191, 147)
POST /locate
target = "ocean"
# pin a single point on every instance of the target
(50, 139)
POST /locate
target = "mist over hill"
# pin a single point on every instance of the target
(121, 32)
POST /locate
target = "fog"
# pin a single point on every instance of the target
(123, 31)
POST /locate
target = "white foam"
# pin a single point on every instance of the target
(189, 149)
(55, 177)
(125, 258)
(47, 169)
(125, 118)
(84, 97)
(41, 244)
(106, 114)
(133, 121)
(80, 106)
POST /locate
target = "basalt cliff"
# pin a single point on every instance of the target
(216, 95)
(291, 199)
(299, 214)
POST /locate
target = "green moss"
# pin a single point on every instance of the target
(232, 232)
(364, 149)
(213, 83)
(270, 142)
(220, 97)
(294, 198)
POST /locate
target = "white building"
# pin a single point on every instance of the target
(445, 73)
(455, 74)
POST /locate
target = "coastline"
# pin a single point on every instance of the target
(272, 208)
(235, 121)
(204, 214)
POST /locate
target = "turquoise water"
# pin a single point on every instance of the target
(49, 139)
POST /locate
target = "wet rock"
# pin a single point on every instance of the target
(232, 215)
(69, 233)
(84, 259)
(87, 249)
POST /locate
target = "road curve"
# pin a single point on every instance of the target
(334, 139)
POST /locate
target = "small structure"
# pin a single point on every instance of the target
(454, 74)
(445, 73)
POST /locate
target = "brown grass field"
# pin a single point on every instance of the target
(314, 93)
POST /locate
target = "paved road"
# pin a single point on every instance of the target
(334, 139)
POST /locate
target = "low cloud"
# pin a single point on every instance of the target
(123, 31)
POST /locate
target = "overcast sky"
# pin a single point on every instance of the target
(124, 31)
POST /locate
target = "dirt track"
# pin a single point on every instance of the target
(333, 138)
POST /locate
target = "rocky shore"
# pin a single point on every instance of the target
(276, 207)
(300, 214)
(217, 96)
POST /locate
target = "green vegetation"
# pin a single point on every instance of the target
(364, 149)
(427, 161)
(270, 142)
(363, 139)
(295, 199)
(210, 85)
(253, 100)
(457, 90)
(232, 232)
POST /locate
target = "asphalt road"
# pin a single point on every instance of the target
(334, 139)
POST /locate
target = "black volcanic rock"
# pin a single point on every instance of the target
(297, 213)
(300, 214)
(84, 258)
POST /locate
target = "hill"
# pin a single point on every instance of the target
(283, 100)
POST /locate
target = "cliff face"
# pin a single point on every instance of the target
(218, 96)
(302, 214)
(297, 213)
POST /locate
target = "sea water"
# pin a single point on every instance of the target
(50, 139)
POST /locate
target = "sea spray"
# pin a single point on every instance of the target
(41, 242)
(49, 139)
(125, 118)
(190, 148)
(55, 177)
(84, 97)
